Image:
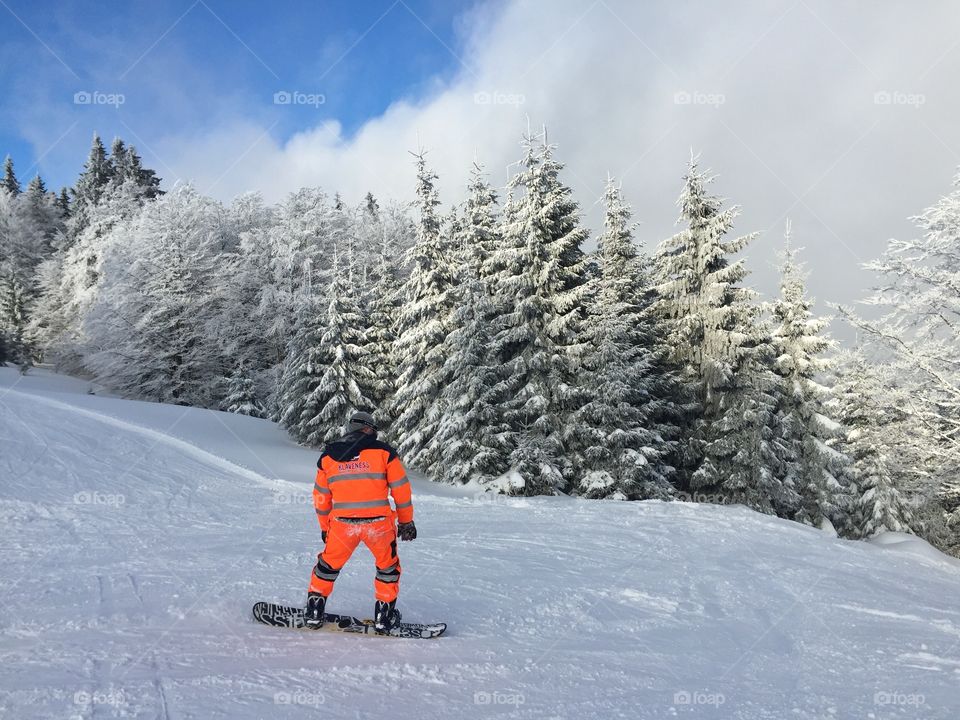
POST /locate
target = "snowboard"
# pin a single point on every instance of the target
(292, 617)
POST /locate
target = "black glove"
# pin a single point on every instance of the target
(323, 536)
(407, 531)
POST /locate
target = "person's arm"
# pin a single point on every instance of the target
(399, 485)
(322, 500)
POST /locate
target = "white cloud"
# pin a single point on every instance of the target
(780, 99)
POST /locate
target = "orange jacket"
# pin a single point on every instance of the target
(355, 477)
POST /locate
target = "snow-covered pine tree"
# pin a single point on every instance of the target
(63, 203)
(13, 314)
(241, 395)
(421, 327)
(540, 290)
(624, 450)
(721, 348)
(384, 298)
(45, 216)
(97, 173)
(470, 438)
(327, 367)
(127, 165)
(10, 182)
(813, 471)
(21, 246)
(871, 428)
(6, 355)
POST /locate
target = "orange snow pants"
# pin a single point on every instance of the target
(379, 536)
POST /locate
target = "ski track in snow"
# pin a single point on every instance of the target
(131, 560)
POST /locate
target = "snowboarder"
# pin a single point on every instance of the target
(355, 475)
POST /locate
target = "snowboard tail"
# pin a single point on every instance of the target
(292, 617)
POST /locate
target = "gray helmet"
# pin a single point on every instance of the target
(360, 420)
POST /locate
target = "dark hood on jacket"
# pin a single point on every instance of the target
(352, 444)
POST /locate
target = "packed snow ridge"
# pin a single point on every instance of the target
(136, 537)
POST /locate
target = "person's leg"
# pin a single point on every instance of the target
(381, 539)
(342, 540)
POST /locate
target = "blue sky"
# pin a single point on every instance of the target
(189, 64)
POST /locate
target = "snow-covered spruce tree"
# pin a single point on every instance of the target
(721, 348)
(422, 322)
(241, 395)
(149, 326)
(625, 454)
(540, 291)
(387, 238)
(21, 250)
(813, 469)
(97, 173)
(44, 215)
(13, 314)
(128, 166)
(920, 332)
(326, 367)
(871, 427)
(10, 182)
(470, 439)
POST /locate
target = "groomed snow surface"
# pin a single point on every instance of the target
(136, 537)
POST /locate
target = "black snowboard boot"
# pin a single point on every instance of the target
(385, 617)
(313, 615)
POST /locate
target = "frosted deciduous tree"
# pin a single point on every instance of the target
(148, 327)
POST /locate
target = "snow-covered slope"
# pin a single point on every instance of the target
(135, 538)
